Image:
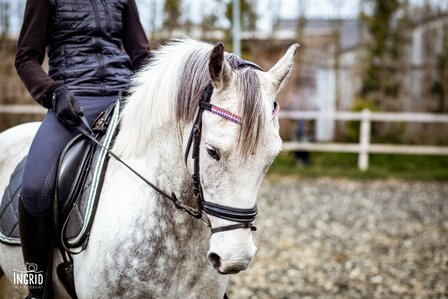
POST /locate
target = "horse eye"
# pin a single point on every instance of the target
(213, 153)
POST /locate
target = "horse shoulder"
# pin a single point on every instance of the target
(14, 145)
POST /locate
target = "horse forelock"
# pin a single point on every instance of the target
(169, 90)
(194, 79)
(253, 117)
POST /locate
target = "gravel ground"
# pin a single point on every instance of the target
(329, 238)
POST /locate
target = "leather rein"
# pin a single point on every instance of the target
(243, 217)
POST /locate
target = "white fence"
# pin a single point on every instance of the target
(22, 109)
(363, 148)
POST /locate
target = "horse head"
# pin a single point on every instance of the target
(235, 155)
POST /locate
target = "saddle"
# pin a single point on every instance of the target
(79, 180)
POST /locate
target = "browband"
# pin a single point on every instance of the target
(229, 115)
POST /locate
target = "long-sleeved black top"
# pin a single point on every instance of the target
(35, 35)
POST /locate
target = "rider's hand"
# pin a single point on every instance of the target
(67, 108)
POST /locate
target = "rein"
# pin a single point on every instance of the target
(89, 134)
(243, 217)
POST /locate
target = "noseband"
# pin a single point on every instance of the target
(243, 217)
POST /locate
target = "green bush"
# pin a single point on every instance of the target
(351, 132)
(381, 166)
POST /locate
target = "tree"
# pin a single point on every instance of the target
(4, 21)
(172, 14)
(210, 18)
(301, 20)
(388, 26)
(435, 71)
(274, 6)
(152, 7)
(248, 17)
(337, 52)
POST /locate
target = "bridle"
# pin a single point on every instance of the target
(243, 217)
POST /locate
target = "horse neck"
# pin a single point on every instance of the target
(164, 157)
(138, 229)
(163, 165)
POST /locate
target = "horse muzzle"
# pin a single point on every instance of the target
(230, 266)
(227, 268)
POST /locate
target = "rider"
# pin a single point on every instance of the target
(87, 69)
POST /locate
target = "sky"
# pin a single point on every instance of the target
(287, 9)
(196, 8)
(266, 9)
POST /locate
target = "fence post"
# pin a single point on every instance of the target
(364, 140)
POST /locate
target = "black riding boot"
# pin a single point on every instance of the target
(36, 235)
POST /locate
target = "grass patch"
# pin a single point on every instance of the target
(381, 166)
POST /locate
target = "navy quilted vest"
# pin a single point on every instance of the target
(85, 47)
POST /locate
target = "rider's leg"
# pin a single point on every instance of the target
(35, 215)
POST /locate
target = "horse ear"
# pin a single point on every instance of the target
(282, 68)
(219, 68)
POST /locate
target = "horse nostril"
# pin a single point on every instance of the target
(235, 269)
(214, 259)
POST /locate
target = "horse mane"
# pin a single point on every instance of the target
(168, 90)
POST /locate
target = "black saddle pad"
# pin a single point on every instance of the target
(79, 181)
(9, 209)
